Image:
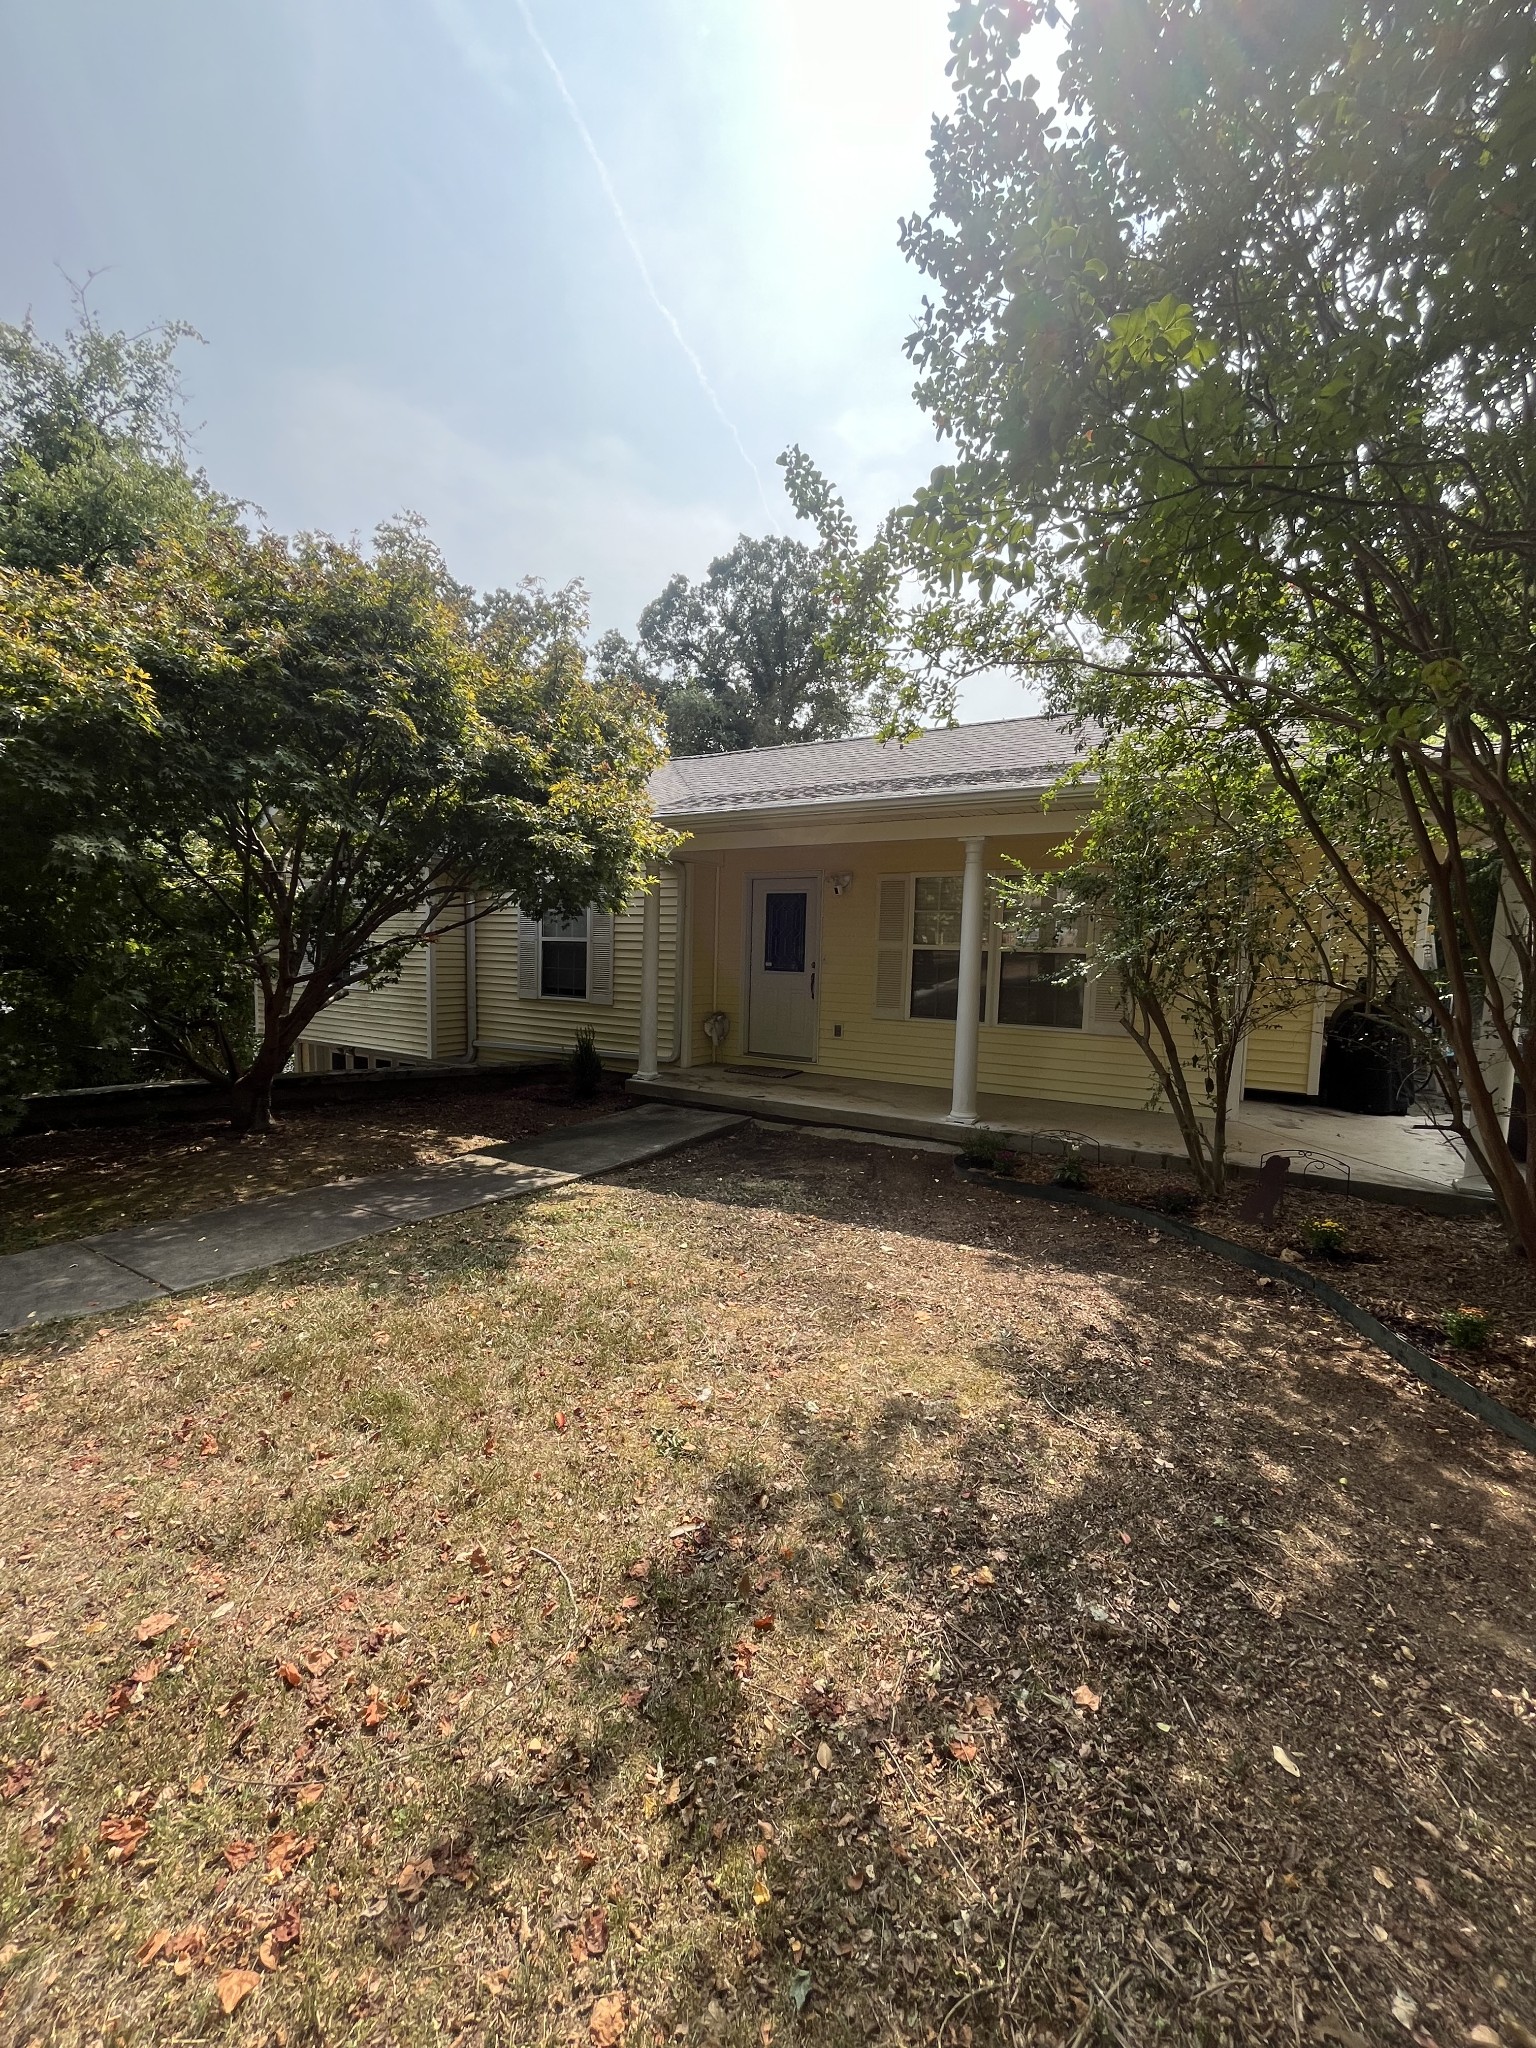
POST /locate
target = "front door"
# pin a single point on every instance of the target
(781, 994)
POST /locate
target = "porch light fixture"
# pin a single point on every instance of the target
(838, 883)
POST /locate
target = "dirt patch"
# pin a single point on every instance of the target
(56, 1185)
(779, 1593)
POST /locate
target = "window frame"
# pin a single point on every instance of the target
(992, 957)
(584, 940)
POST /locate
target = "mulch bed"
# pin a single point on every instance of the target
(1407, 1266)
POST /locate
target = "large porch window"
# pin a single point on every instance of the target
(1033, 977)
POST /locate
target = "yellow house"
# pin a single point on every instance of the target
(824, 942)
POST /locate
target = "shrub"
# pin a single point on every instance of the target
(585, 1064)
(1070, 1174)
(1173, 1199)
(1467, 1328)
(986, 1150)
(1323, 1236)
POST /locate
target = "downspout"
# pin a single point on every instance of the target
(471, 981)
(682, 1003)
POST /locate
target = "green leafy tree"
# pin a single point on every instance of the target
(746, 657)
(93, 471)
(93, 452)
(1233, 337)
(333, 747)
(1189, 875)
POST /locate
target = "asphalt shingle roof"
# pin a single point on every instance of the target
(1000, 755)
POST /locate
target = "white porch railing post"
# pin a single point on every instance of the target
(973, 912)
(650, 983)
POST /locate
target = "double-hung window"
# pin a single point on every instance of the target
(1032, 975)
(566, 957)
(1041, 976)
(935, 976)
(563, 955)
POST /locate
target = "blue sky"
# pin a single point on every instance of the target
(413, 285)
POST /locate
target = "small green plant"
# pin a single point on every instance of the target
(585, 1064)
(1467, 1328)
(1070, 1173)
(1324, 1237)
(986, 1150)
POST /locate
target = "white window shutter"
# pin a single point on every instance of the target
(527, 956)
(893, 944)
(599, 956)
(1101, 996)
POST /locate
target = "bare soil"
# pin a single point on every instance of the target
(776, 1595)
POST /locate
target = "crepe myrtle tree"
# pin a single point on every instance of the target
(1189, 876)
(334, 747)
(1233, 335)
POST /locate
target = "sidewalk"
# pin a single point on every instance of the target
(108, 1271)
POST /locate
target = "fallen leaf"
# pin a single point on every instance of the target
(761, 1894)
(1405, 2010)
(146, 1952)
(799, 1989)
(594, 1930)
(123, 1832)
(824, 1755)
(608, 2020)
(154, 1625)
(238, 1854)
(285, 1851)
(1086, 1698)
(1382, 1877)
(764, 1621)
(42, 1637)
(963, 1752)
(281, 1936)
(1285, 1761)
(235, 1986)
(985, 1577)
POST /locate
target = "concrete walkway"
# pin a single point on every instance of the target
(90, 1274)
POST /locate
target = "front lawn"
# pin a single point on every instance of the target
(776, 1594)
(63, 1184)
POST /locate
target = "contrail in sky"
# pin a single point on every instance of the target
(487, 64)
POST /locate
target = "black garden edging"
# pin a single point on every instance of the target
(1418, 1362)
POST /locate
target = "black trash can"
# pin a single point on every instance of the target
(1367, 1063)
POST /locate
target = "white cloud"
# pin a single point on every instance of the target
(352, 455)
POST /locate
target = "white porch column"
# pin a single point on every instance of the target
(973, 914)
(650, 983)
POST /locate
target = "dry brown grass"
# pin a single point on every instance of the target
(62, 1184)
(921, 1682)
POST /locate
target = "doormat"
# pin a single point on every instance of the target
(764, 1073)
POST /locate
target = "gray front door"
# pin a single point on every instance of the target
(781, 990)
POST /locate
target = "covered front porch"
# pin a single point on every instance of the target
(1391, 1158)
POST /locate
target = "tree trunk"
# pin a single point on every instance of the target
(251, 1097)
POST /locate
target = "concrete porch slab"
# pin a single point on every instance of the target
(1383, 1158)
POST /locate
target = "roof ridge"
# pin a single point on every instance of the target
(856, 739)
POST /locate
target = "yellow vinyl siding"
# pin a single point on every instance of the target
(509, 1023)
(1064, 1066)
(390, 1020)
(452, 1010)
(1280, 1054)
